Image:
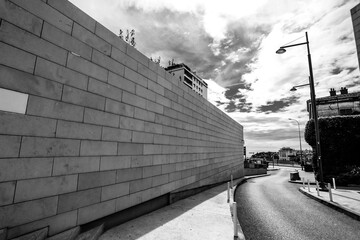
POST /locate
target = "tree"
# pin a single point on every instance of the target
(129, 38)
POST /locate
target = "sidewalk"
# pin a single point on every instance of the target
(345, 201)
(206, 215)
(306, 175)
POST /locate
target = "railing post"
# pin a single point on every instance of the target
(317, 188)
(235, 219)
(303, 180)
(334, 183)
(232, 182)
(228, 192)
(330, 194)
(308, 183)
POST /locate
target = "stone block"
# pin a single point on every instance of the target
(53, 109)
(126, 175)
(135, 77)
(44, 11)
(97, 148)
(153, 128)
(142, 161)
(114, 162)
(16, 58)
(101, 118)
(154, 107)
(143, 92)
(107, 62)
(17, 214)
(71, 165)
(44, 187)
(171, 95)
(160, 180)
(143, 70)
(37, 235)
(121, 82)
(115, 134)
(19, 38)
(73, 12)
(163, 101)
(130, 149)
(60, 74)
(88, 68)
(96, 179)
(27, 83)
(132, 124)
(161, 139)
(139, 185)
(66, 235)
(83, 98)
(155, 87)
(75, 200)
(141, 137)
(66, 129)
(96, 211)
(23, 168)
(21, 18)
(133, 100)
(119, 108)
(9, 146)
(44, 147)
(123, 203)
(124, 59)
(168, 168)
(91, 39)
(138, 56)
(55, 224)
(65, 40)
(144, 115)
(110, 37)
(104, 89)
(7, 190)
(165, 83)
(151, 171)
(19, 124)
(152, 149)
(114, 191)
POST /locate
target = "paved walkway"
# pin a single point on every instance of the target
(205, 215)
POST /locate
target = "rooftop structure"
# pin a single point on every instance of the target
(189, 78)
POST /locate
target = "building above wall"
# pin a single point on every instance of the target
(184, 74)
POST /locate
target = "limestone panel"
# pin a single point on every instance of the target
(9, 146)
(71, 165)
(7, 191)
(115, 134)
(96, 179)
(85, 67)
(114, 191)
(124, 59)
(101, 118)
(130, 149)
(135, 77)
(125, 175)
(97, 148)
(16, 58)
(119, 108)
(107, 62)
(75, 200)
(120, 82)
(44, 187)
(83, 98)
(104, 89)
(19, 38)
(133, 100)
(96, 211)
(110, 37)
(60, 74)
(67, 129)
(114, 162)
(23, 168)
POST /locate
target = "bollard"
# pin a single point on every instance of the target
(303, 179)
(228, 192)
(317, 188)
(235, 220)
(334, 184)
(308, 183)
(232, 182)
(330, 194)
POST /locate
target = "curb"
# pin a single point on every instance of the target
(311, 183)
(241, 235)
(334, 206)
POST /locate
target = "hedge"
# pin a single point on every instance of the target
(340, 145)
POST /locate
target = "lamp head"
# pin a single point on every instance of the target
(293, 89)
(280, 50)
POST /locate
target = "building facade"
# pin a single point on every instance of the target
(286, 153)
(184, 74)
(337, 104)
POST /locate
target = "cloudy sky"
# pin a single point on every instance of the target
(232, 43)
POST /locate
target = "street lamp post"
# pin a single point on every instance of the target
(301, 158)
(282, 50)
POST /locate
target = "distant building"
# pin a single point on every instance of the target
(184, 74)
(336, 105)
(286, 154)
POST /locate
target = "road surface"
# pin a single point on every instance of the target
(272, 208)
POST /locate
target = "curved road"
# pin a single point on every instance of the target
(272, 208)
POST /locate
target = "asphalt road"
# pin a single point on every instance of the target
(272, 208)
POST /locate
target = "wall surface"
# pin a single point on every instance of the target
(104, 127)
